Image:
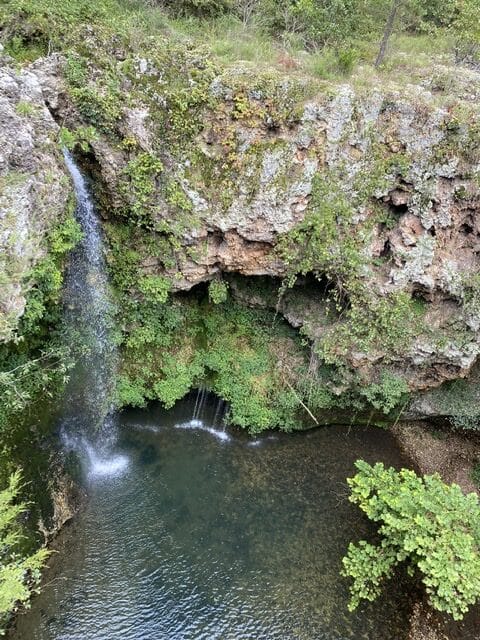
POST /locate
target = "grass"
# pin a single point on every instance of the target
(230, 40)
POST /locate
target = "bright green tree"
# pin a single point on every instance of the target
(19, 574)
(431, 526)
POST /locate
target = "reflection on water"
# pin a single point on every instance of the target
(207, 534)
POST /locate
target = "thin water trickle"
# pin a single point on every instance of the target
(88, 425)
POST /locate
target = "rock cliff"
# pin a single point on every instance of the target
(371, 191)
(34, 188)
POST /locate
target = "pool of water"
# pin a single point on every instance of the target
(192, 532)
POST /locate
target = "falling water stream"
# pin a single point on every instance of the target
(89, 423)
(193, 531)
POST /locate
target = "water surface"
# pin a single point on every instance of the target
(207, 534)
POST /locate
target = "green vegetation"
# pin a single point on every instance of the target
(81, 137)
(36, 362)
(177, 72)
(25, 108)
(431, 526)
(218, 291)
(459, 400)
(327, 39)
(139, 186)
(172, 343)
(387, 393)
(184, 70)
(19, 573)
(324, 244)
(476, 474)
(171, 347)
(34, 368)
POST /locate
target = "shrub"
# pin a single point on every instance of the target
(155, 288)
(19, 574)
(81, 136)
(217, 291)
(139, 184)
(387, 393)
(197, 7)
(430, 525)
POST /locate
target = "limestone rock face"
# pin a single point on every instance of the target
(401, 166)
(34, 188)
(408, 171)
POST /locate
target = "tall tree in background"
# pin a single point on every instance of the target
(388, 31)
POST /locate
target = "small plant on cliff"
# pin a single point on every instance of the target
(81, 136)
(387, 393)
(155, 288)
(138, 186)
(19, 574)
(430, 525)
(217, 291)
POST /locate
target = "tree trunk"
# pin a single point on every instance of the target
(388, 32)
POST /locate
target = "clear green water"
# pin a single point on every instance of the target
(212, 535)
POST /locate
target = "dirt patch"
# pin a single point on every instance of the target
(453, 455)
(424, 624)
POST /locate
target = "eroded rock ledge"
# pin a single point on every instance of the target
(373, 189)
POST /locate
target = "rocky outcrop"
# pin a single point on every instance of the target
(396, 170)
(402, 167)
(34, 188)
(66, 497)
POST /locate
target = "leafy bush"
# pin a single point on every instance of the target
(197, 7)
(81, 136)
(386, 394)
(430, 525)
(155, 288)
(138, 185)
(19, 574)
(218, 291)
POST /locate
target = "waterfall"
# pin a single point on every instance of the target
(88, 424)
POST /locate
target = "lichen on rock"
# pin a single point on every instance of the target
(205, 172)
(34, 188)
